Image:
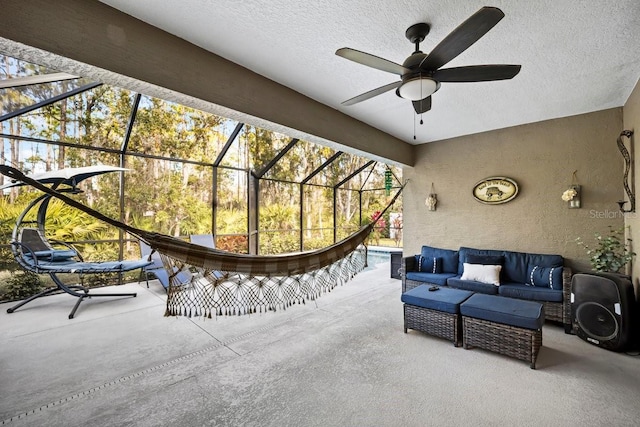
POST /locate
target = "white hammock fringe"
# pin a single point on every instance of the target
(211, 293)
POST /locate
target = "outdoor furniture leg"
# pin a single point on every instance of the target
(71, 290)
(31, 298)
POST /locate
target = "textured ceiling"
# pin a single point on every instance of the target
(577, 56)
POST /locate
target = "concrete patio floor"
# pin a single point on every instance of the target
(342, 360)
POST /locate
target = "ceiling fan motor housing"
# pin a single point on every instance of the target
(417, 84)
(413, 61)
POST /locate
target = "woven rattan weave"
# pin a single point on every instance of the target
(521, 343)
(409, 284)
(433, 322)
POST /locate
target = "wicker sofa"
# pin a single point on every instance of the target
(528, 276)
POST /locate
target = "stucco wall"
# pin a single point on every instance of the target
(632, 122)
(541, 158)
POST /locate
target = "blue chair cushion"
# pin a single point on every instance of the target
(508, 311)
(449, 257)
(69, 266)
(443, 299)
(45, 264)
(546, 277)
(163, 277)
(437, 279)
(470, 285)
(52, 255)
(532, 293)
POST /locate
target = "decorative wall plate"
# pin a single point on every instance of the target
(495, 190)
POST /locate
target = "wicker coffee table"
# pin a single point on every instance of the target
(508, 326)
(435, 312)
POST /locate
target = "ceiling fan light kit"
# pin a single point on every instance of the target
(421, 74)
(418, 88)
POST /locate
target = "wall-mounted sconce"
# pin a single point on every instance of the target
(575, 203)
(621, 204)
(432, 199)
(573, 194)
(628, 164)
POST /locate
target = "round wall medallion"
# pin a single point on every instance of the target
(495, 190)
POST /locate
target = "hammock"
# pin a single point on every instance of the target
(206, 281)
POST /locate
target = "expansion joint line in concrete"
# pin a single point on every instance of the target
(143, 372)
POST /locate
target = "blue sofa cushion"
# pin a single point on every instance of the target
(533, 260)
(516, 264)
(449, 257)
(439, 279)
(443, 299)
(429, 265)
(515, 267)
(545, 277)
(465, 253)
(485, 259)
(533, 293)
(508, 311)
(470, 285)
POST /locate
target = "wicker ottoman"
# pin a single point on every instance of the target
(507, 326)
(435, 312)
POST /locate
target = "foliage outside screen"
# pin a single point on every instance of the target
(180, 192)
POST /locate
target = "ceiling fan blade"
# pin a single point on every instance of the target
(476, 73)
(423, 105)
(372, 93)
(371, 61)
(467, 33)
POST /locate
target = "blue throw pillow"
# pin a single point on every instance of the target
(429, 264)
(545, 277)
(449, 257)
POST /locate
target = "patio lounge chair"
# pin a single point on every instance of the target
(156, 267)
(34, 253)
(205, 240)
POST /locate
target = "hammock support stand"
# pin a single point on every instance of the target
(34, 253)
(71, 290)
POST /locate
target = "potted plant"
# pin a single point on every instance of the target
(610, 253)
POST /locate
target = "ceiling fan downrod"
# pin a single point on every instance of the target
(417, 33)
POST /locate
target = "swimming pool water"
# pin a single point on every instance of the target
(375, 257)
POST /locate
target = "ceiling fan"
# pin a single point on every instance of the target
(421, 75)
